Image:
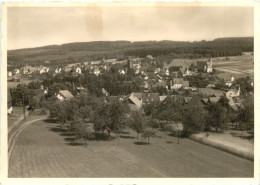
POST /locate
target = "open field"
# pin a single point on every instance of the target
(16, 115)
(227, 142)
(239, 66)
(44, 149)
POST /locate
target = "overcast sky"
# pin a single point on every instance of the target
(33, 27)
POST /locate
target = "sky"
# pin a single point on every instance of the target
(39, 26)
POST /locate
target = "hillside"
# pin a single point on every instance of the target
(86, 51)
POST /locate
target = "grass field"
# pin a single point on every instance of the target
(17, 113)
(238, 66)
(44, 150)
(227, 142)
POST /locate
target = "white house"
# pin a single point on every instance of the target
(209, 67)
(187, 72)
(64, 95)
(232, 79)
(177, 83)
(58, 70)
(96, 71)
(10, 73)
(121, 71)
(16, 71)
(150, 57)
(78, 70)
(167, 72)
(232, 93)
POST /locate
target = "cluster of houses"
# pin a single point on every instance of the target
(159, 77)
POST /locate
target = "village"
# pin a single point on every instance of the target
(175, 81)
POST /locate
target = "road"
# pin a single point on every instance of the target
(44, 150)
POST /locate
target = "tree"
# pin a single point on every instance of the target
(217, 116)
(193, 120)
(147, 133)
(138, 122)
(246, 116)
(82, 130)
(224, 101)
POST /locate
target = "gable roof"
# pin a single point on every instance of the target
(177, 80)
(210, 92)
(185, 84)
(214, 99)
(196, 101)
(104, 91)
(135, 100)
(162, 98)
(187, 99)
(139, 95)
(66, 94)
(179, 63)
(150, 97)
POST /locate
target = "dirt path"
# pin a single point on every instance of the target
(45, 150)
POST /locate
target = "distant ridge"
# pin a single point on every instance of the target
(125, 43)
(97, 50)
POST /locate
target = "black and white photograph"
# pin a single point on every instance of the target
(129, 91)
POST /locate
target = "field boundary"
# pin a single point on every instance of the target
(243, 154)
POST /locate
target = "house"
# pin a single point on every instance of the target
(134, 102)
(167, 71)
(96, 62)
(146, 86)
(68, 69)
(81, 90)
(233, 92)
(16, 71)
(105, 92)
(139, 95)
(110, 60)
(121, 71)
(211, 85)
(187, 99)
(162, 98)
(177, 83)
(96, 71)
(186, 72)
(148, 98)
(230, 82)
(179, 63)
(209, 67)
(9, 101)
(58, 70)
(64, 95)
(210, 92)
(195, 101)
(185, 84)
(78, 70)
(150, 57)
(157, 70)
(29, 70)
(10, 73)
(43, 69)
(213, 99)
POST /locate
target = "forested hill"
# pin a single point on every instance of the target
(85, 51)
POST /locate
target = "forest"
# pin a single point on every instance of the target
(88, 51)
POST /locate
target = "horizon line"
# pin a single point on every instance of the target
(127, 41)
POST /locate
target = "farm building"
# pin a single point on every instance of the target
(64, 95)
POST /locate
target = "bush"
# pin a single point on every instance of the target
(43, 111)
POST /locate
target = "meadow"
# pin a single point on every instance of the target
(44, 149)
